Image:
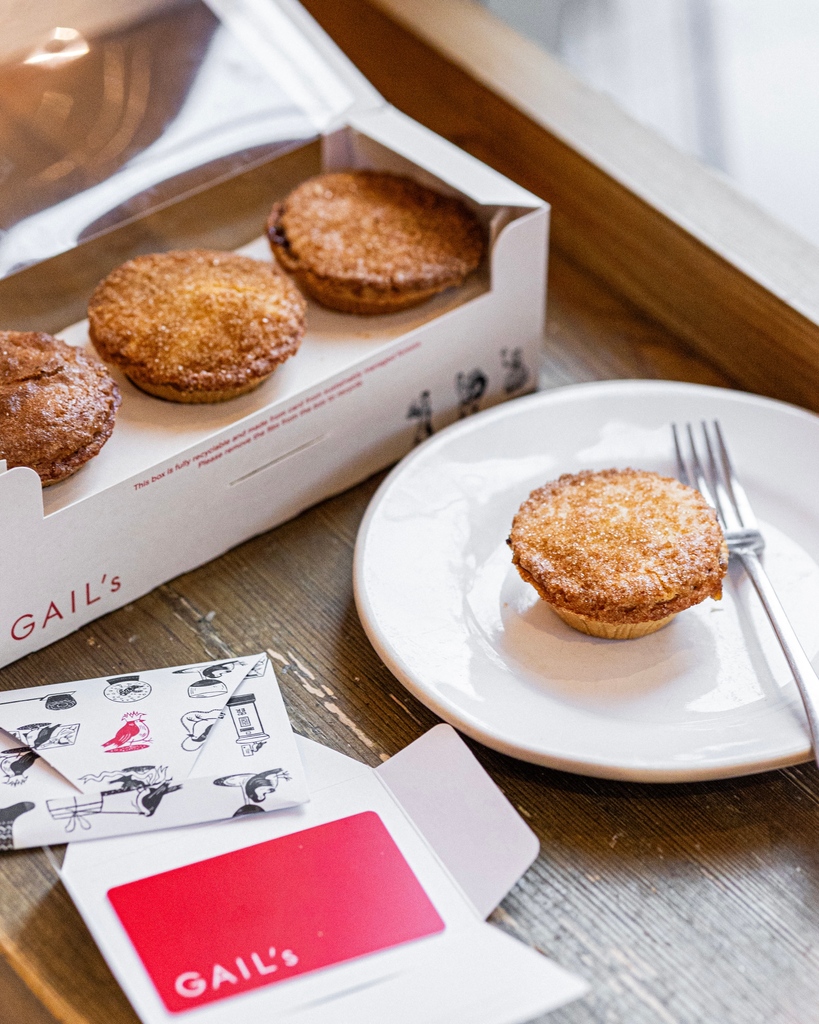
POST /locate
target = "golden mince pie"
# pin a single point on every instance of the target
(57, 406)
(372, 242)
(618, 553)
(196, 325)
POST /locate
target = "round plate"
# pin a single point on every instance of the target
(708, 697)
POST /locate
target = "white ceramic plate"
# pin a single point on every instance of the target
(708, 697)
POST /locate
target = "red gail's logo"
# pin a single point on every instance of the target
(61, 608)
(133, 734)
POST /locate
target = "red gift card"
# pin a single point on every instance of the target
(270, 912)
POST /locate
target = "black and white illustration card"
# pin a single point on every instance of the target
(144, 751)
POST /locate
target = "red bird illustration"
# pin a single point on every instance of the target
(127, 733)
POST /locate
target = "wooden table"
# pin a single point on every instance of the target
(683, 903)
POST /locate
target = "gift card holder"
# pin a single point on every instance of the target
(410, 870)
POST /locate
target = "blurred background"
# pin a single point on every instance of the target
(732, 82)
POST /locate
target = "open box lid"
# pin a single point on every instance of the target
(110, 112)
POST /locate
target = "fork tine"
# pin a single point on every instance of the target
(740, 498)
(682, 468)
(726, 506)
(700, 479)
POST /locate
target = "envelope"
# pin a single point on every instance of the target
(143, 751)
(367, 904)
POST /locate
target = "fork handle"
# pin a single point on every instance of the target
(803, 672)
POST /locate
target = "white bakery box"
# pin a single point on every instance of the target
(177, 485)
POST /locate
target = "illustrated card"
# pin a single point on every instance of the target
(145, 750)
(295, 904)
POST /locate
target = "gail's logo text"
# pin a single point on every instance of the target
(192, 984)
(61, 608)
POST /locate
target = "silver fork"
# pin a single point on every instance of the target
(719, 485)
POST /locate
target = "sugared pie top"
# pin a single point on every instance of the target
(57, 406)
(196, 320)
(371, 242)
(619, 545)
